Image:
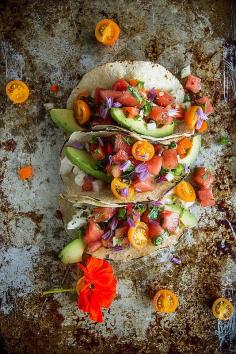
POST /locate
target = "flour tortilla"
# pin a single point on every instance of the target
(154, 75)
(68, 210)
(74, 193)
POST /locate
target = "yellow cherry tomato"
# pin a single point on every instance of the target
(185, 192)
(17, 91)
(190, 116)
(81, 111)
(121, 190)
(107, 32)
(138, 235)
(143, 151)
(222, 309)
(165, 301)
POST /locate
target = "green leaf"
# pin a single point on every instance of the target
(128, 140)
(172, 145)
(223, 140)
(147, 108)
(121, 214)
(187, 98)
(140, 208)
(157, 241)
(179, 170)
(135, 93)
(153, 213)
(140, 84)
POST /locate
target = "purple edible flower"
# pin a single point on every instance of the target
(152, 94)
(75, 144)
(172, 112)
(201, 117)
(142, 171)
(117, 248)
(124, 192)
(114, 223)
(176, 260)
(107, 235)
(130, 222)
(117, 104)
(125, 165)
(105, 107)
(156, 203)
(186, 168)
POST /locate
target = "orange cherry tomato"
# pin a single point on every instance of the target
(138, 235)
(121, 190)
(183, 145)
(107, 32)
(54, 88)
(143, 150)
(82, 111)
(222, 309)
(17, 91)
(165, 301)
(185, 191)
(25, 172)
(133, 82)
(190, 116)
(203, 127)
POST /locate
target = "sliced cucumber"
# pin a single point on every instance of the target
(73, 251)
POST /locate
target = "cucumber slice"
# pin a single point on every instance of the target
(64, 118)
(73, 251)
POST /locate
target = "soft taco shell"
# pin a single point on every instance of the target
(154, 75)
(68, 210)
(74, 193)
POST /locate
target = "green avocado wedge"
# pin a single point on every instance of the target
(139, 125)
(193, 152)
(64, 118)
(188, 219)
(86, 163)
(73, 251)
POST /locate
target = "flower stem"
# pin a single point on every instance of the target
(58, 291)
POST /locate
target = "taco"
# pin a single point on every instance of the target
(115, 168)
(134, 97)
(124, 232)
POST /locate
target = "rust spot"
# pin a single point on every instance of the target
(8, 145)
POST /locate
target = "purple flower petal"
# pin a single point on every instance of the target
(109, 102)
(125, 165)
(156, 203)
(114, 223)
(117, 248)
(107, 235)
(152, 94)
(131, 222)
(117, 104)
(172, 112)
(124, 192)
(103, 111)
(141, 168)
(201, 117)
(75, 144)
(186, 168)
(176, 260)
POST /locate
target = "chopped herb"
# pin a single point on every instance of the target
(140, 84)
(135, 93)
(187, 98)
(163, 172)
(129, 171)
(179, 170)
(141, 208)
(117, 241)
(157, 241)
(172, 145)
(223, 140)
(153, 213)
(147, 108)
(121, 214)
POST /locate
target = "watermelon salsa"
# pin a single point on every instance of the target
(130, 166)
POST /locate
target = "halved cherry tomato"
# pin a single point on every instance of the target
(130, 112)
(165, 301)
(138, 235)
(17, 91)
(222, 309)
(183, 145)
(190, 116)
(107, 32)
(133, 82)
(118, 187)
(82, 111)
(143, 150)
(25, 172)
(54, 88)
(203, 127)
(185, 191)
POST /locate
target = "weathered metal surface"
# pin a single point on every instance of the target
(52, 41)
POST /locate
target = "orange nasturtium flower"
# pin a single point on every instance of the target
(97, 288)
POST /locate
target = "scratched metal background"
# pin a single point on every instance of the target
(44, 42)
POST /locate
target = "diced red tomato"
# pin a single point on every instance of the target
(170, 220)
(110, 93)
(94, 246)
(155, 229)
(122, 231)
(103, 214)
(159, 114)
(170, 160)
(127, 99)
(97, 97)
(120, 144)
(120, 85)
(164, 98)
(158, 148)
(87, 184)
(146, 185)
(116, 171)
(99, 152)
(130, 112)
(93, 232)
(202, 177)
(154, 165)
(109, 148)
(208, 108)
(206, 197)
(120, 156)
(193, 84)
(144, 217)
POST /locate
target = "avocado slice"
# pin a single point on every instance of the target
(86, 163)
(139, 125)
(174, 207)
(64, 118)
(193, 152)
(188, 219)
(73, 251)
